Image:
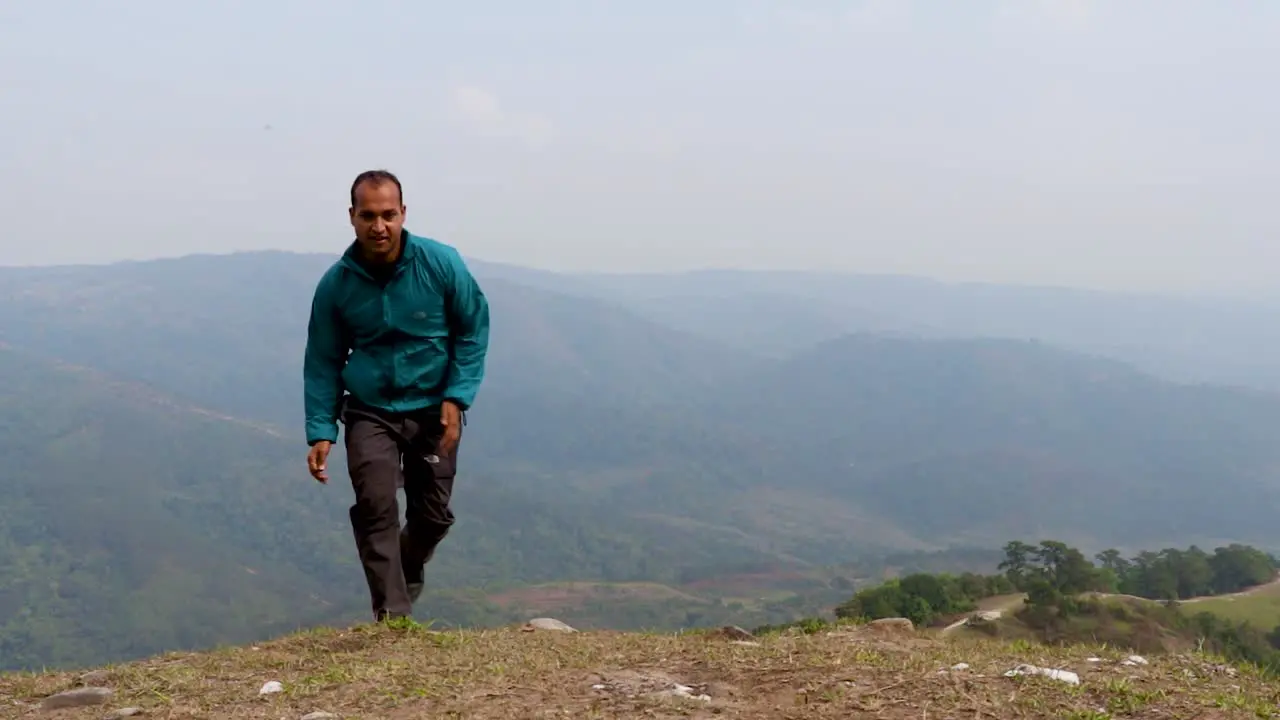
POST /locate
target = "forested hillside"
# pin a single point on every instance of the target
(605, 446)
(134, 523)
(130, 525)
(1180, 338)
(969, 439)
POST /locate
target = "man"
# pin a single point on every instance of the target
(395, 350)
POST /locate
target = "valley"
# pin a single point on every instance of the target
(620, 469)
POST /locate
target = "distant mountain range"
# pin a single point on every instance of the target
(667, 429)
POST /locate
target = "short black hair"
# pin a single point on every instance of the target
(377, 177)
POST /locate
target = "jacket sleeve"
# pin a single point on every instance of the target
(470, 310)
(326, 354)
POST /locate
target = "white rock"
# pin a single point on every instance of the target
(550, 624)
(1093, 660)
(684, 691)
(1136, 660)
(1065, 676)
(272, 686)
(960, 666)
(320, 715)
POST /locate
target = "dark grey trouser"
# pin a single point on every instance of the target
(378, 467)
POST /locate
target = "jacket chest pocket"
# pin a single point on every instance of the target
(421, 315)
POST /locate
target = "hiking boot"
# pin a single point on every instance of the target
(413, 581)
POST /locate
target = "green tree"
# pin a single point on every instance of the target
(1194, 572)
(1112, 560)
(1017, 562)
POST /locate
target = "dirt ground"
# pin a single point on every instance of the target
(411, 672)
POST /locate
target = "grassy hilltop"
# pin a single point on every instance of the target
(410, 672)
(1057, 639)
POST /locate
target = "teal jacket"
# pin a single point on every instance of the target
(417, 340)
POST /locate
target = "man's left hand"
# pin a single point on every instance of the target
(451, 422)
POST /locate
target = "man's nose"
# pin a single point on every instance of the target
(379, 225)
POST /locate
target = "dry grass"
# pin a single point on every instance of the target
(409, 672)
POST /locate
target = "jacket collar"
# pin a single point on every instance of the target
(409, 249)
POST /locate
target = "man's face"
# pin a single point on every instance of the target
(378, 218)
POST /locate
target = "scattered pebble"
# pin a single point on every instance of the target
(123, 713)
(960, 666)
(656, 684)
(272, 686)
(683, 691)
(320, 715)
(1135, 660)
(892, 625)
(548, 624)
(80, 697)
(745, 643)
(96, 678)
(733, 632)
(1065, 676)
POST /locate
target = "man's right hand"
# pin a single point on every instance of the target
(316, 460)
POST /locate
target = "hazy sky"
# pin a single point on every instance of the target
(1109, 144)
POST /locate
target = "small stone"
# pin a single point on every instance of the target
(745, 643)
(123, 713)
(733, 632)
(80, 697)
(892, 625)
(960, 666)
(548, 624)
(684, 691)
(320, 715)
(1065, 676)
(94, 677)
(272, 686)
